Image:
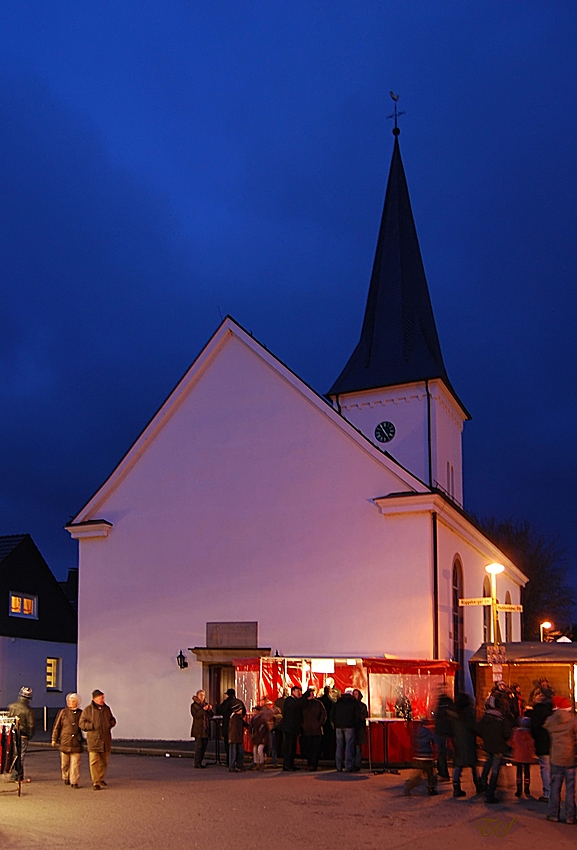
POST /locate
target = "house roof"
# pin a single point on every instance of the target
(399, 343)
(8, 543)
(532, 652)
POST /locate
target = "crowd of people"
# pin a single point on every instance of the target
(330, 726)
(72, 727)
(333, 726)
(512, 732)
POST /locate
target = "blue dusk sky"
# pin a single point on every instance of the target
(165, 163)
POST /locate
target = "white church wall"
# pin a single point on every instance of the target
(447, 428)
(406, 408)
(250, 504)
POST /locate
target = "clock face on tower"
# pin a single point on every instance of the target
(384, 432)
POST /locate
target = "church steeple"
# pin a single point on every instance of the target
(395, 388)
(399, 342)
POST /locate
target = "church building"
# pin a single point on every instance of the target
(255, 516)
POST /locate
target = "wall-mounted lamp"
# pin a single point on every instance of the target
(181, 660)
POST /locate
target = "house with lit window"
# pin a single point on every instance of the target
(254, 515)
(38, 627)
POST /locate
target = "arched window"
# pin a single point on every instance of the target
(458, 630)
(508, 620)
(486, 612)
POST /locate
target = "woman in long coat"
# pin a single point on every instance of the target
(464, 742)
(66, 735)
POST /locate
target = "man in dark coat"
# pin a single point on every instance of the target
(313, 720)
(346, 718)
(542, 709)
(225, 709)
(291, 727)
(463, 728)
(201, 713)
(97, 721)
(443, 732)
(495, 729)
(329, 740)
(21, 709)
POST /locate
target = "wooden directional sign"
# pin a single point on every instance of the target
(515, 609)
(476, 600)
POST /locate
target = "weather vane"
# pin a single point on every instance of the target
(395, 97)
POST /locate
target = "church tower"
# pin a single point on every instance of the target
(395, 387)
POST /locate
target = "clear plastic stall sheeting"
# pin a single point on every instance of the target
(409, 693)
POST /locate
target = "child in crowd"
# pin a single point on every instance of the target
(523, 755)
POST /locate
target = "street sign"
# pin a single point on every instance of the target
(476, 600)
(515, 609)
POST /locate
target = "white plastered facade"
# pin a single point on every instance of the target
(249, 498)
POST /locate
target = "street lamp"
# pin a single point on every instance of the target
(542, 626)
(494, 570)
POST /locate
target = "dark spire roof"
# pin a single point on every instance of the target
(399, 342)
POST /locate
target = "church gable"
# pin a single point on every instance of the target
(236, 416)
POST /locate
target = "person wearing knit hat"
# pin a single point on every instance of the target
(97, 721)
(21, 709)
(562, 729)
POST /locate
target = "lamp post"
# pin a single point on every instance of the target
(494, 570)
(542, 626)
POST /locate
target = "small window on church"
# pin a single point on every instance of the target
(23, 605)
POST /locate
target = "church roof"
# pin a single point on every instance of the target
(399, 342)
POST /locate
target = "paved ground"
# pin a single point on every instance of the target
(155, 802)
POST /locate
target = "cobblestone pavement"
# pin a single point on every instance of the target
(154, 802)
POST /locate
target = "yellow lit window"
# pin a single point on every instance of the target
(22, 605)
(53, 674)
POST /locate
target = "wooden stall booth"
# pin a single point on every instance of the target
(525, 663)
(398, 692)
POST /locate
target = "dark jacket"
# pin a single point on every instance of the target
(361, 729)
(66, 734)
(200, 718)
(443, 726)
(541, 711)
(21, 708)
(97, 721)
(314, 717)
(495, 729)
(346, 713)
(423, 743)
(226, 708)
(292, 715)
(260, 726)
(235, 728)
(464, 734)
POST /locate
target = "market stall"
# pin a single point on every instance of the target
(525, 663)
(398, 692)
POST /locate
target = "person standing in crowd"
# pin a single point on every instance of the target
(423, 761)
(443, 732)
(463, 732)
(21, 709)
(346, 717)
(97, 721)
(314, 718)
(224, 710)
(329, 741)
(291, 726)
(495, 729)
(66, 735)
(360, 731)
(201, 713)
(562, 728)
(517, 701)
(260, 727)
(523, 755)
(275, 734)
(542, 709)
(235, 737)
